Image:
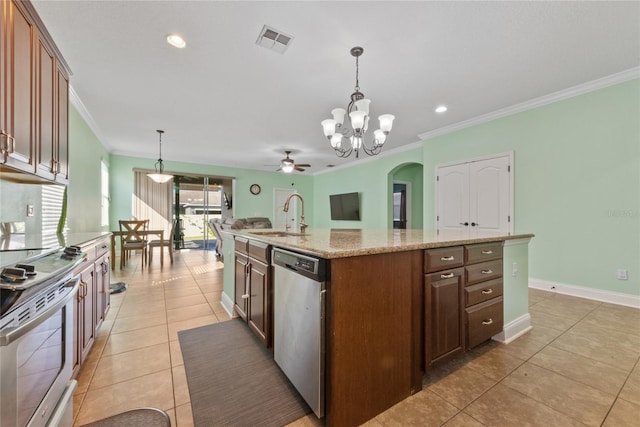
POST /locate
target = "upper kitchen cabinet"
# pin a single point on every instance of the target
(34, 82)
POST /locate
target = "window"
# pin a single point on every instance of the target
(104, 200)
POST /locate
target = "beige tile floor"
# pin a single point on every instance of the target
(578, 366)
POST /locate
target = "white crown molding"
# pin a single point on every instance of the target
(581, 89)
(588, 293)
(86, 115)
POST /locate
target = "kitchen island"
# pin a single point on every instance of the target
(379, 326)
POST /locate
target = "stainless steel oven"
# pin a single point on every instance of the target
(36, 342)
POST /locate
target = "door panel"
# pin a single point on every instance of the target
(453, 197)
(283, 219)
(475, 193)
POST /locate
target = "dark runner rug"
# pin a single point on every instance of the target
(233, 379)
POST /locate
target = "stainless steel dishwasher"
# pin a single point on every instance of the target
(299, 290)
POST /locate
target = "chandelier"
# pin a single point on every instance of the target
(346, 139)
(159, 175)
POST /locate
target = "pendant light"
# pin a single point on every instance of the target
(159, 176)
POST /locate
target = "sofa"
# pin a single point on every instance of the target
(218, 225)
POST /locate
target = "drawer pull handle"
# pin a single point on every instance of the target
(487, 291)
(487, 322)
(447, 276)
(447, 258)
(487, 252)
(489, 271)
(245, 296)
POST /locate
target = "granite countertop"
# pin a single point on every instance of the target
(342, 243)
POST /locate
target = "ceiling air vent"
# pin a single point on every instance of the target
(273, 39)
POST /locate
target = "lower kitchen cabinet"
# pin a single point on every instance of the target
(253, 287)
(93, 298)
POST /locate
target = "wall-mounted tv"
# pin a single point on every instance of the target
(345, 206)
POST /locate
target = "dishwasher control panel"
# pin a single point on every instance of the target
(313, 268)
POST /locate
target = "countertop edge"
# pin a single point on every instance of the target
(292, 244)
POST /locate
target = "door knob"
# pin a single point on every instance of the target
(473, 224)
(466, 224)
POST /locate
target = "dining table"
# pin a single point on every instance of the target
(117, 233)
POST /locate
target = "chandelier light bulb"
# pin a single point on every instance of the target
(329, 127)
(386, 122)
(336, 139)
(379, 136)
(363, 105)
(357, 120)
(338, 115)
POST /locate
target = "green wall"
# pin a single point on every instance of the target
(577, 183)
(244, 203)
(373, 179)
(83, 192)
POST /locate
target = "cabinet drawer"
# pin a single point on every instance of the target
(484, 271)
(260, 251)
(484, 320)
(483, 252)
(443, 258)
(483, 291)
(102, 248)
(241, 245)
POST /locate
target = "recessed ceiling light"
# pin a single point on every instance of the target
(176, 41)
(441, 109)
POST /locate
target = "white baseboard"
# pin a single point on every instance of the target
(514, 329)
(588, 293)
(227, 304)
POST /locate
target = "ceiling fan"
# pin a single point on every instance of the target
(287, 165)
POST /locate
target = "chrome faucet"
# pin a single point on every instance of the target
(303, 225)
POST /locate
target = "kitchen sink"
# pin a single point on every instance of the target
(275, 233)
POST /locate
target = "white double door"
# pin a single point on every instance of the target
(476, 194)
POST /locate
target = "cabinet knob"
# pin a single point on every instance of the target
(447, 258)
(447, 276)
(487, 322)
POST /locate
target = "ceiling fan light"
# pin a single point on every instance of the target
(363, 105)
(357, 119)
(329, 127)
(338, 115)
(386, 122)
(287, 168)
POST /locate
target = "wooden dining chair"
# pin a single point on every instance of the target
(167, 242)
(133, 238)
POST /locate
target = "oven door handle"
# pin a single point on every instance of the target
(11, 334)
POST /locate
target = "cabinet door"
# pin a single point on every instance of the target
(18, 97)
(62, 122)
(444, 322)
(87, 330)
(46, 106)
(258, 314)
(103, 275)
(240, 298)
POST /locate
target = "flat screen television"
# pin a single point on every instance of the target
(345, 206)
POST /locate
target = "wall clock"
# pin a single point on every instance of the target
(255, 189)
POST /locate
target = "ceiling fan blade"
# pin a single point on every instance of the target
(303, 165)
(298, 168)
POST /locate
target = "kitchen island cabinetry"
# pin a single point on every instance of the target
(398, 301)
(253, 291)
(34, 88)
(483, 292)
(444, 304)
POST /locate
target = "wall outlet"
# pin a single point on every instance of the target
(514, 270)
(622, 274)
(30, 210)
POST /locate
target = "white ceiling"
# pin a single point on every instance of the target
(224, 100)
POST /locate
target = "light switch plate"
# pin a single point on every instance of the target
(30, 210)
(622, 274)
